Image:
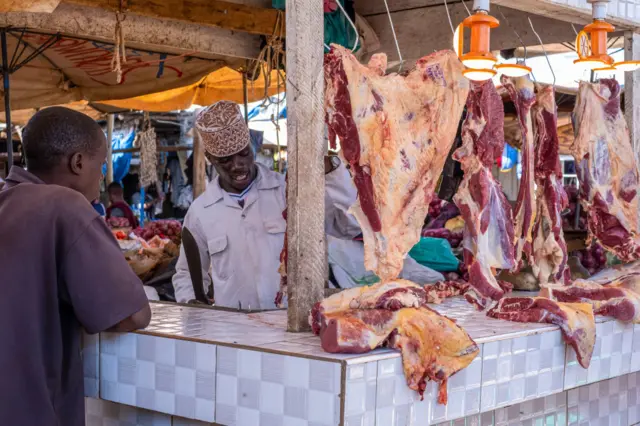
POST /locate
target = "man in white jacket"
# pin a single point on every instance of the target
(237, 222)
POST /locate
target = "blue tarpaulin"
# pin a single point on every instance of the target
(121, 161)
(509, 158)
(264, 113)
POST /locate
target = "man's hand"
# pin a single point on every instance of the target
(195, 302)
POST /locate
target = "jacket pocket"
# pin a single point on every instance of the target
(221, 259)
(278, 226)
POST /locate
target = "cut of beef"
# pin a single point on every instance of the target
(549, 262)
(488, 223)
(607, 168)
(611, 300)
(359, 320)
(575, 320)
(522, 94)
(396, 132)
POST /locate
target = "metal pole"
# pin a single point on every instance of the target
(110, 118)
(7, 98)
(245, 95)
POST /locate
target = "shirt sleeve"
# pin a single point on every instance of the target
(340, 195)
(101, 286)
(182, 278)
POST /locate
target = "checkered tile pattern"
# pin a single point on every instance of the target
(91, 364)
(549, 410)
(635, 350)
(360, 394)
(522, 368)
(610, 402)
(104, 413)
(258, 388)
(611, 355)
(166, 375)
(484, 419)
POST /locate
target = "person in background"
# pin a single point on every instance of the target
(98, 207)
(237, 222)
(60, 259)
(117, 206)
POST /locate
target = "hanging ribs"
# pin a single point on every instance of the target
(393, 315)
(522, 94)
(488, 232)
(575, 320)
(607, 169)
(395, 132)
(549, 262)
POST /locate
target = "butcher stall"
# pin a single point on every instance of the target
(465, 351)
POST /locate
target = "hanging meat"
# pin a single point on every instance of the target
(394, 314)
(522, 94)
(549, 249)
(607, 169)
(575, 320)
(488, 232)
(395, 131)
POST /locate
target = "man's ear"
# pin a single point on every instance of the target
(76, 163)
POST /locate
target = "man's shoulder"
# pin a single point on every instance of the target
(67, 203)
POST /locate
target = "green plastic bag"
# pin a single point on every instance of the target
(435, 253)
(337, 28)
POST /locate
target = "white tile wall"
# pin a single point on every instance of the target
(612, 355)
(360, 394)
(610, 402)
(522, 368)
(166, 375)
(549, 410)
(91, 364)
(257, 388)
(104, 413)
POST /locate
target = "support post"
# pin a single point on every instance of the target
(306, 272)
(7, 98)
(110, 118)
(632, 90)
(199, 172)
(245, 97)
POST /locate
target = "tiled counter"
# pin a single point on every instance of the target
(195, 366)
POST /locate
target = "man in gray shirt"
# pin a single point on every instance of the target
(61, 269)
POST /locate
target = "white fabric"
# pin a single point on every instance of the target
(346, 258)
(152, 293)
(241, 245)
(244, 253)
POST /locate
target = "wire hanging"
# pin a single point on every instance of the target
(446, 7)
(353, 25)
(395, 37)
(543, 50)
(524, 46)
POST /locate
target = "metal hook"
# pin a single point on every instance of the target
(543, 50)
(395, 37)
(346, 15)
(524, 46)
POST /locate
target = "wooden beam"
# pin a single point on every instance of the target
(632, 90)
(216, 13)
(36, 6)
(430, 26)
(110, 120)
(140, 32)
(199, 163)
(306, 273)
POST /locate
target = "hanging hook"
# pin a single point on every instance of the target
(524, 46)
(395, 37)
(346, 15)
(543, 50)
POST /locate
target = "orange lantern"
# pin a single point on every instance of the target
(596, 56)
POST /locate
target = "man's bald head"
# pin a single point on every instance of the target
(66, 148)
(55, 134)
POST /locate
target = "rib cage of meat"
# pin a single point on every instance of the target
(549, 249)
(394, 314)
(488, 232)
(607, 168)
(575, 320)
(396, 132)
(522, 94)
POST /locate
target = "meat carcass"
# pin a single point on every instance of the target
(359, 320)
(488, 223)
(607, 168)
(522, 94)
(549, 261)
(575, 320)
(395, 132)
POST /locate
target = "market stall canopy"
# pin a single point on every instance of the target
(222, 84)
(21, 117)
(67, 69)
